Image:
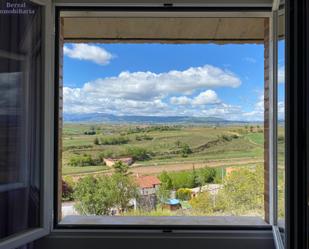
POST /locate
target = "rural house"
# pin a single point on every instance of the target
(111, 161)
(148, 184)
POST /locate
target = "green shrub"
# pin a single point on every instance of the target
(83, 160)
(138, 153)
(202, 203)
(281, 138)
(77, 147)
(67, 190)
(91, 132)
(226, 138)
(183, 194)
(114, 140)
(96, 141)
(97, 196)
(143, 137)
(243, 191)
(185, 150)
(188, 179)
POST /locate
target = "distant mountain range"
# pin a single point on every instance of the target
(109, 118)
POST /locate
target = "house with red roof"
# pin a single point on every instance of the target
(147, 184)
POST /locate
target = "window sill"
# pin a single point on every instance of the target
(163, 221)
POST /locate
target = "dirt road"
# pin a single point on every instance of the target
(157, 169)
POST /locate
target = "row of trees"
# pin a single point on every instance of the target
(111, 140)
(83, 160)
(154, 128)
(188, 179)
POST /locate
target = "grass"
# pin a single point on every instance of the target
(257, 138)
(67, 170)
(164, 147)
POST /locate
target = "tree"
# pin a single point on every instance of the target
(82, 160)
(243, 191)
(165, 188)
(206, 175)
(195, 177)
(163, 194)
(126, 190)
(95, 196)
(183, 194)
(166, 180)
(202, 203)
(99, 195)
(96, 141)
(121, 168)
(138, 153)
(67, 191)
(185, 150)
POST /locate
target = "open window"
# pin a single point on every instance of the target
(24, 70)
(185, 144)
(130, 129)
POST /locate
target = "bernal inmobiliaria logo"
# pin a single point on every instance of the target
(21, 8)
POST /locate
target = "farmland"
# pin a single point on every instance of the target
(177, 154)
(163, 146)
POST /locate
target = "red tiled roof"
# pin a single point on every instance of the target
(147, 181)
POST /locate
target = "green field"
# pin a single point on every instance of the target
(163, 144)
(178, 150)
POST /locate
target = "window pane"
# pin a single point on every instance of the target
(20, 115)
(163, 129)
(281, 124)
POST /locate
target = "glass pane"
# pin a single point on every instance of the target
(281, 125)
(20, 107)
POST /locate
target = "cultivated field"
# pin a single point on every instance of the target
(162, 147)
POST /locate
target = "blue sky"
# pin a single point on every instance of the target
(167, 79)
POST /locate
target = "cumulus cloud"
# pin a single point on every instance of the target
(182, 100)
(148, 93)
(258, 111)
(87, 52)
(149, 85)
(207, 97)
(204, 98)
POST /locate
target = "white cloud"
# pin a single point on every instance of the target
(183, 100)
(204, 98)
(207, 97)
(87, 52)
(148, 93)
(258, 112)
(149, 85)
(281, 75)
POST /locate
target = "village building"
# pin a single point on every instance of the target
(111, 161)
(147, 184)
